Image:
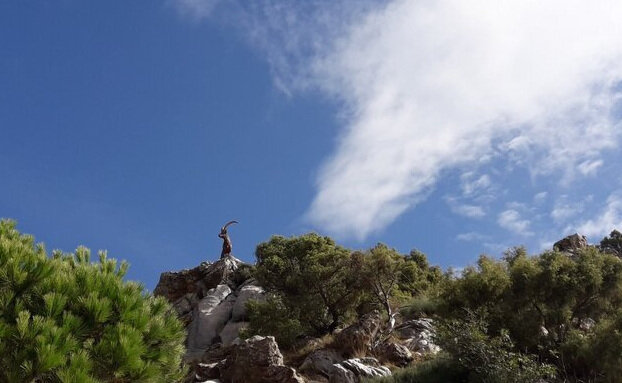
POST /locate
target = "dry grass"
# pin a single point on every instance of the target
(296, 355)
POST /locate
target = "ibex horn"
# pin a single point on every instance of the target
(228, 223)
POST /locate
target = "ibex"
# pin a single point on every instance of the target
(226, 241)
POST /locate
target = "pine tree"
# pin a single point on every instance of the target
(65, 319)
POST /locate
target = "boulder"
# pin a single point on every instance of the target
(358, 338)
(358, 368)
(231, 331)
(412, 328)
(571, 244)
(418, 336)
(210, 317)
(340, 374)
(394, 353)
(258, 360)
(246, 292)
(321, 362)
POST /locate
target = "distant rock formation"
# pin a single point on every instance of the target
(571, 244)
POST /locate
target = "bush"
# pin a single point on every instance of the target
(421, 306)
(489, 359)
(313, 277)
(272, 317)
(543, 302)
(64, 319)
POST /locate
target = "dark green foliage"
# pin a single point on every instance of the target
(272, 317)
(546, 303)
(64, 319)
(421, 306)
(317, 285)
(380, 271)
(313, 277)
(612, 244)
(418, 277)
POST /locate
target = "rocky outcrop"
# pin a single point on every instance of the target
(354, 370)
(418, 336)
(211, 300)
(571, 244)
(174, 285)
(358, 338)
(257, 360)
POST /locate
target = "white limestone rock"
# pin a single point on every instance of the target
(209, 317)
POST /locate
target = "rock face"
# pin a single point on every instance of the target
(211, 302)
(257, 360)
(358, 338)
(176, 284)
(418, 336)
(209, 317)
(571, 244)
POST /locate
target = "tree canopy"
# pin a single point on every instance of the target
(65, 319)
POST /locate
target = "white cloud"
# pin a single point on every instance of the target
(511, 220)
(565, 209)
(540, 197)
(604, 221)
(472, 236)
(471, 211)
(429, 86)
(467, 210)
(590, 167)
(562, 212)
(472, 186)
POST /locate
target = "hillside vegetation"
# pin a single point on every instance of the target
(555, 316)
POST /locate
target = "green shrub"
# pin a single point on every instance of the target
(64, 319)
(272, 317)
(488, 359)
(542, 301)
(314, 278)
(420, 306)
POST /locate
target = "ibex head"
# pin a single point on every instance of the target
(223, 230)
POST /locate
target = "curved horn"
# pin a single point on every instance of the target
(227, 224)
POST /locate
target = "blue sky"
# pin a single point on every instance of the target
(141, 127)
